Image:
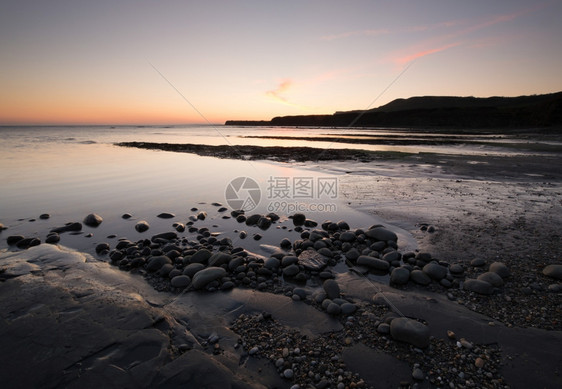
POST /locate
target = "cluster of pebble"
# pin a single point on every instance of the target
(304, 361)
(320, 363)
(171, 262)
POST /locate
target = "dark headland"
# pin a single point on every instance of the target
(535, 111)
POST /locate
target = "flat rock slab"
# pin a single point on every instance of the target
(377, 368)
(381, 233)
(68, 320)
(313, 260)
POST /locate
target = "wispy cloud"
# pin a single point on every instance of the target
(410, 57)
(277, 93)
(459, 37)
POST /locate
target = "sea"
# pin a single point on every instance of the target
(68, 172)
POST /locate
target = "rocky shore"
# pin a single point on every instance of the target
(328, 304)
(322, 269)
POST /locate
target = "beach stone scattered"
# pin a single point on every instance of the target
(477, 262)
(44, 216)
(313, 260)
(410, 331)
(102, 248)
(500, 268)
(253, 219)
(456, 269)
(381, 233)
(399, 276)
(166, 215)
(156, 263)
(26, 243)
(331, 288)
(52, 238)
(291, 271)
(68, 227)
(419, 277)
(348, 308)
(142, 226)
(164, 236)
(286, 244)
(202, 215)
(347, 236)
(492, 278)
(263, 223)
(417, 374)
(479, 286)
(219, 258)
(13, 239)
(93, 220)
(435, 271)
(553, 271)
(373, 263)
(299, 219)
(193, 268)
(126, 216)
(333, 309)
(180, 281)
(205, 276)
(201, 256)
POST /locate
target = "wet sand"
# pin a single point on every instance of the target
(73, 320)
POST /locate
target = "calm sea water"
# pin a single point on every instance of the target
(69, 172)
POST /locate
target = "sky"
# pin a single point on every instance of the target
(172, 62)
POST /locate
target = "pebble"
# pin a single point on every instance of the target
(417, 374)
(410, 331)
(93, 220)
(500, 268)
(142, 226)
(553, 271)
(492, 278)
(399, 276)
(331, 288)
(477, 262)
(419, 277)
(478, 286)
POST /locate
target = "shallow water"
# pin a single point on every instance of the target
(71, 172)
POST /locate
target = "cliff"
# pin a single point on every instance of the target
(439, 111)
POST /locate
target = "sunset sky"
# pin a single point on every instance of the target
(162, 62)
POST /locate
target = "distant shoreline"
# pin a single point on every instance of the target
(444, 112)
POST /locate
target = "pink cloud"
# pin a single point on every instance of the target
(283, 87)
(453, 39)
(410, 57)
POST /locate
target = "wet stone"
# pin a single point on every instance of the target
(491, 278)
(93, 220)
(500, 268)
(410, 331)
(313, 260)
(142, 226)
(479, 286)
(435, 271)
(331, 288)
(399, 276)
(553, 271)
